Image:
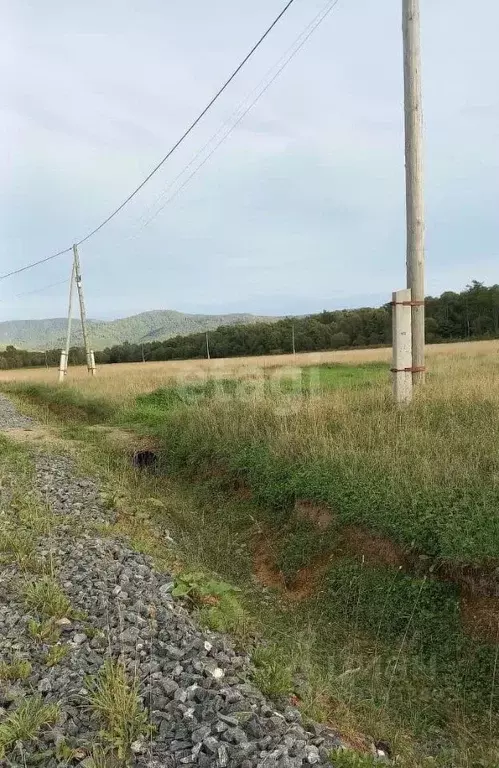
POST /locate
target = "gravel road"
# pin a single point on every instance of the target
(10, 418)
(193, 683)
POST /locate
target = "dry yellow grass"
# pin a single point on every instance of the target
(124, 381)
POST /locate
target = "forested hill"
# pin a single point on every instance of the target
(471, 314)
(158, 325)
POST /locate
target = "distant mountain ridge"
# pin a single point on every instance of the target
(156, 325)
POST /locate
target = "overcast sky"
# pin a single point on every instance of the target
(300, 209)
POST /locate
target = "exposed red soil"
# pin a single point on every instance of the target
(479, 587)
(375, 549)
(265, 569)
(480, 617)
(304, 584)
(318, 514)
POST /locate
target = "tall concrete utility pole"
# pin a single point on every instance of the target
(63, 366)
(88, 352)
(414, 181)
(208, 356)
(401, 350)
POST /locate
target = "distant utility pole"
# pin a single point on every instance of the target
(63, 365)
(293, 338)
(207, 346)
(142, 350)
(88, 352)
(414, 181)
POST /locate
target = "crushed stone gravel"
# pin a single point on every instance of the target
(10, 418)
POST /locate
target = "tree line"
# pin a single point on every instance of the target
(470, 314)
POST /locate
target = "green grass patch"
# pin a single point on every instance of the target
(301, 545)
(63, 401)
(46, 631)
(16, 669)
(273, 674)
(55, 655)
(24, 517)
(115, 700)
(46, 598)
(275, 381)
(390, 473)
(26, 722)
(343, 376)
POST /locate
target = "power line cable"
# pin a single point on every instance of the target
(193, 124)
(322, 16)
(290, 53)
(284, 60)
(34, 264)
(305, 34)
(37, 290)
(169, 153)
(40, 290)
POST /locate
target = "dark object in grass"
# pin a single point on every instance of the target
(144, 460)
(383, 746)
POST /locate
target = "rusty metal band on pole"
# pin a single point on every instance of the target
(410, 369)
(407, 303)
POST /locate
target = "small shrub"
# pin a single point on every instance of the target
(200, 588)
(217, 601)
(227, 616)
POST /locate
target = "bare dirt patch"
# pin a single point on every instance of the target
(375, 549)
(123, 439)
(480, 617)
(302, 587)
(36, 434)
(479, 612)
(265, 570)
(307, 580)
(321, 516)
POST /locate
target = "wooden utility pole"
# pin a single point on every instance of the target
(88, 352)
(414, 181)
(63, 365)
(207, 346)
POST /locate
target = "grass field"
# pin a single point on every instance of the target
(377, 530)
(126, 380)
